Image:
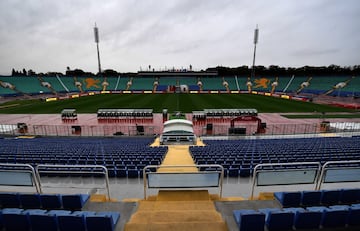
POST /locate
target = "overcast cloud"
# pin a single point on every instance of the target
(49, 35)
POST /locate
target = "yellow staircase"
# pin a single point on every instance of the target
(179, 211)
(178, 155)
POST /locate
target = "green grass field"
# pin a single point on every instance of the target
(173, 102)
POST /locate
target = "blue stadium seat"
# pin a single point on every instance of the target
(111, 172)
(333, 216)
(30, 201)
(249, 220)
(354, 215)
(288, 199)
(73, 221)
(51, 201)
(336, 216)
(305, 219)
(310, 198)
(40, 221)
(277, 219)
(15, 219)
(1, 220)
(133, 173)
(9, 200)
(74, 201)
(234, 171)
(121, 172)
(245, 170)
(350, 196)
(330, 197)
(105, 221)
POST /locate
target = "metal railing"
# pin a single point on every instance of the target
(305, 173)
(75, 170)
(339, 172)
(18, 175)
(272, 174)
(211, 176)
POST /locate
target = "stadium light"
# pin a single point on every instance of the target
(256, 38)
(96, 34)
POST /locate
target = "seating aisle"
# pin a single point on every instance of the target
(178, 155)
(180, 209)
(177, 211)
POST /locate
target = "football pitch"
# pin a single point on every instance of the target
(172, 102)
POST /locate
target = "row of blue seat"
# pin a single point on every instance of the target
(125, 157)
(43, 201)
(316, 198)
(239, 157)
(277, 219)
(15, 219)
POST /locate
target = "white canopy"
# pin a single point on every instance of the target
(178, 125)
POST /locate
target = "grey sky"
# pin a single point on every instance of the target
(49, 35)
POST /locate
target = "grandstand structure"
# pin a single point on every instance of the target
(182, 81)
(238, 169)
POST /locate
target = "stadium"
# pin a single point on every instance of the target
(179, 150)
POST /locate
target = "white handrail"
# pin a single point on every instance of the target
(75, 169)
(216, 166)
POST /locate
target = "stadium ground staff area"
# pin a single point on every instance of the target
(87, 125)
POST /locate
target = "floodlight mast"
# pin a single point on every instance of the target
(96, 34)
(256, 38)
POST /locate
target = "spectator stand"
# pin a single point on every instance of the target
(118, 115)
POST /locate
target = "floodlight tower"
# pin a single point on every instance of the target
(256, 38)
(96, 34)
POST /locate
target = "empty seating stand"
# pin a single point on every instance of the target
(324, 197)
(309, 218)
(305, 219)
(241, 156)
(288, 199)
(354, 216)
(15, 219)
(277, 219)
(102, 221)
(249, 220)
(75, 201)
(51, 201)
(213, 113)
(118, 155)
(68, 114)
(333, 216)
(113, 114)
(74, 221)
(43, 201)
(9, 200)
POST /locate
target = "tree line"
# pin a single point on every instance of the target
(272, 70)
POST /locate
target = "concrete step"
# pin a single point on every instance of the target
(147, 217)
(175, 205)
(174, 226)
